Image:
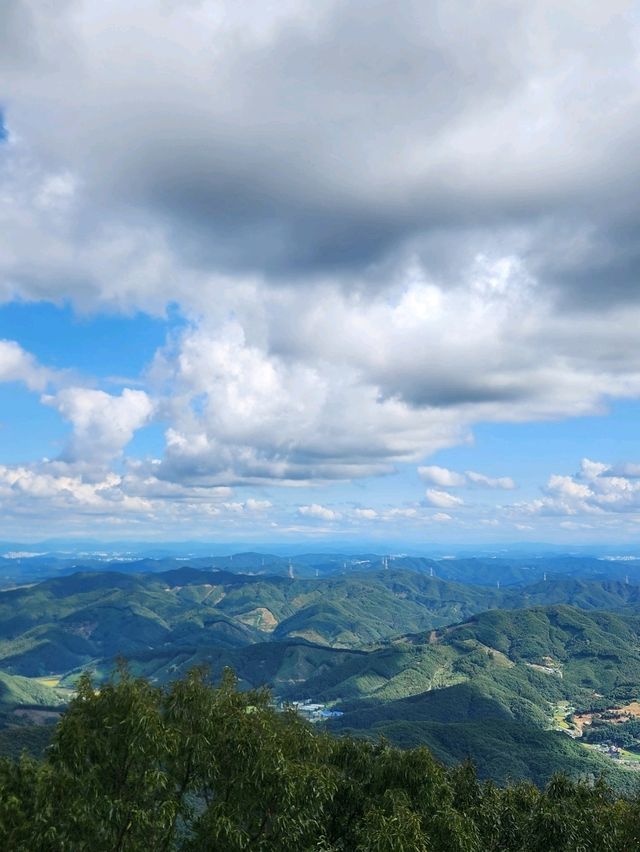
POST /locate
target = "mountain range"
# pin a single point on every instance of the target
(467, 669)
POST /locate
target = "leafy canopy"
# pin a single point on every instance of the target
(202, 767)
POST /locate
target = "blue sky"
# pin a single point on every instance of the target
(301, 294)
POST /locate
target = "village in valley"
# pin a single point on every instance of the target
(613, 732)
(312, 711)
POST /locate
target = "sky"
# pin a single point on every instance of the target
(320, 270)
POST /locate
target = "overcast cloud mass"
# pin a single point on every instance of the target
(366, 228)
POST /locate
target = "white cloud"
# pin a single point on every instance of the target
(17, 365)
(567, 487)
(365, 270)
(573, 525)
(318, 512)
(593, 491)
(441, 476)
(365, 514)
(441, 517)
(102, 424)
(205, 502)
(241, 413)
(65, 498)
(55, 192)
(263, 120)
(392, 514)
(446, 478)
(591, 469)
(442, 499)
(253, 505)
(26, 489)
(502, 482)
(276, 394)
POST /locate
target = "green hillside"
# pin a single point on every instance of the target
(196, 767)
(400, 653)
(588, 650)
(504, 750)
(23, 690)
(512, 669)
(455, 689)
(66, 623)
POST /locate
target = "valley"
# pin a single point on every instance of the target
(500, 675)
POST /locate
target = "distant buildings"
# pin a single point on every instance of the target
(314, 712)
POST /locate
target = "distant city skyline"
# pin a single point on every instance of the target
(320, 272)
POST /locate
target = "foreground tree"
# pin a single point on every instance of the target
(201, 767)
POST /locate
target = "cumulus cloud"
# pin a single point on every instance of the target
(32, 490)
(103, 424)
(376, 236)
(446, 478)
(243, 413)
(322, 513)
(362, 134)
(591, 469)
(596, 490)
(365, 514)
(16, 365)
(397, 512)
(60, 497)
(441, 517)
(443, 274)
(441, 476)
(442, 499)
(502, 482)
(275, 393)
(253, 505)
(567, 487)
(359, 128)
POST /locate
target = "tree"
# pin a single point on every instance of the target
(197, 767)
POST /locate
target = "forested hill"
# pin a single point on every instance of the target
(467, 670)
(67, 622)
(495, 687)
(198, 768)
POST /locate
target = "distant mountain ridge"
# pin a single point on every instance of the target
(401, 653)
(508, 570)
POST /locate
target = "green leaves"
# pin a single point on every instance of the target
(198, 767)
(109, 760)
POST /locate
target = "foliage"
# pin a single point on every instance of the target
(32, 739)
(200, 767)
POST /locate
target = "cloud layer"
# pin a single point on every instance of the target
(597, 489)
(374, 236)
